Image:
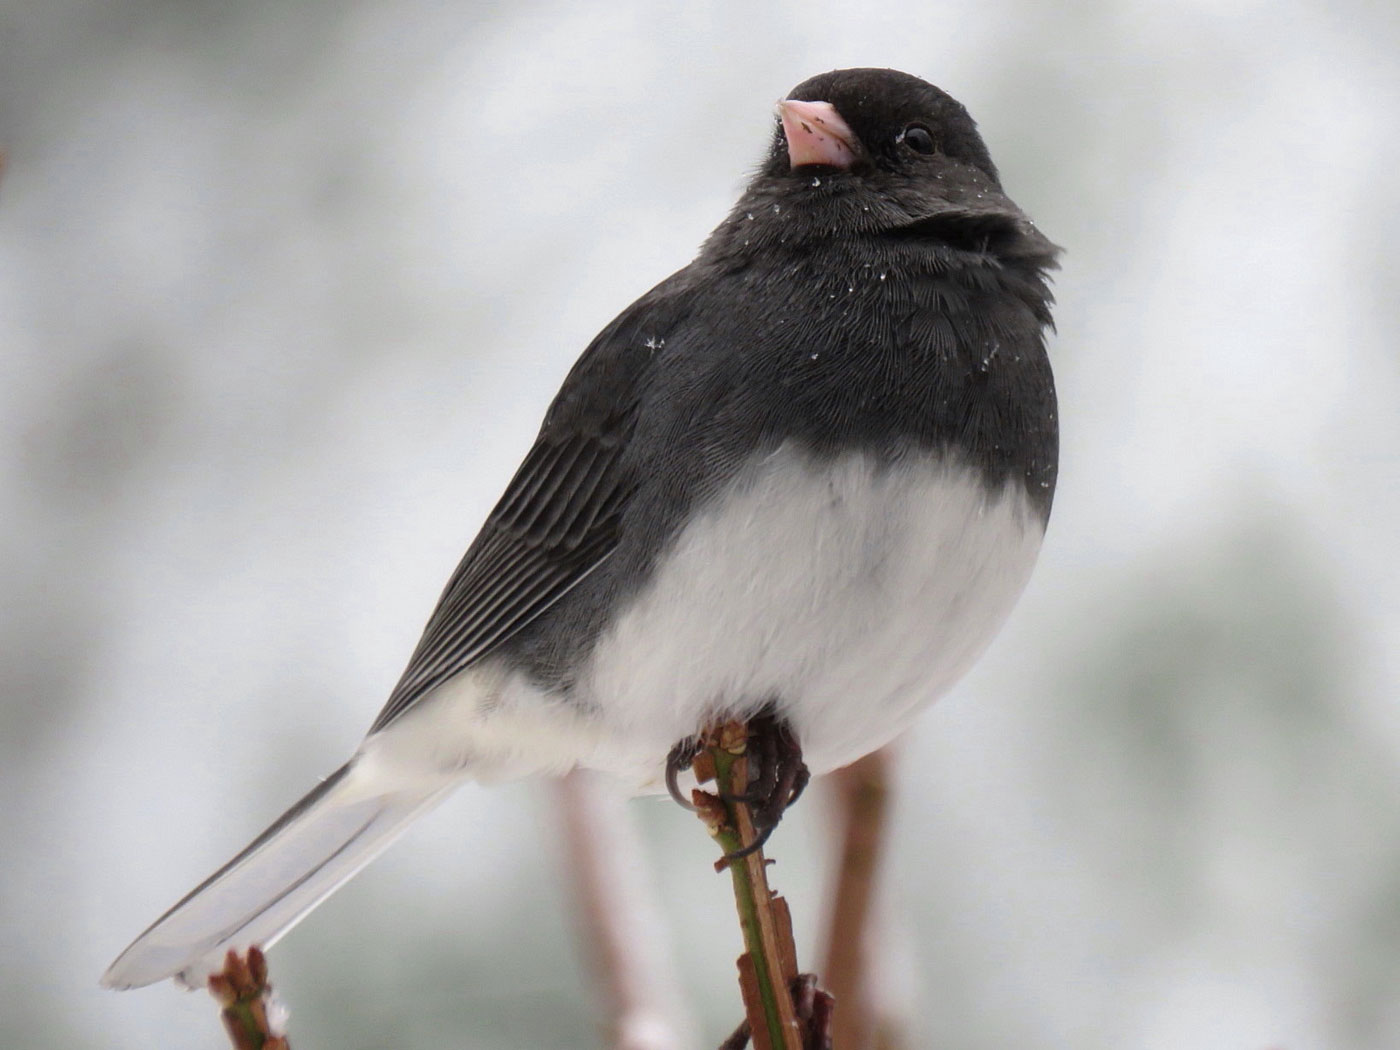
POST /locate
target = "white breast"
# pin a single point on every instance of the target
(850, 596)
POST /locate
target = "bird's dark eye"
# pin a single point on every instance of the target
(917, 137)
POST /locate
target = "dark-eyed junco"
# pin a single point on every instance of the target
(801, 481)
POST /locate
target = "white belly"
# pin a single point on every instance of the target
(851, 597)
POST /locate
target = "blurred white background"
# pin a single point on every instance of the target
(284, 290)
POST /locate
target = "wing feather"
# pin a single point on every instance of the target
(558, 519)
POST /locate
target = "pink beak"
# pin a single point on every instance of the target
(816, 134)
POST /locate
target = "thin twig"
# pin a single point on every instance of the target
(769, 966)
(251, 1016)
(619, 918)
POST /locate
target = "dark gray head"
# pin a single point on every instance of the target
(860, 152)
(902, 127)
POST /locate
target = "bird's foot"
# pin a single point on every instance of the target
(776, 775)
(777, 778)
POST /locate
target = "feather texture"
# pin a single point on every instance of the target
(264, 891)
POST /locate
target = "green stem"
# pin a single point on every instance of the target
(746, 897)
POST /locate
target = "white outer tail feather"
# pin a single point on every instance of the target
(268, 888)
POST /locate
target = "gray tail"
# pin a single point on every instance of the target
(264, 891)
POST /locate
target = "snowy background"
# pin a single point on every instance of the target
(284, 289)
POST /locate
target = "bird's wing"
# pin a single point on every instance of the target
(558, 519)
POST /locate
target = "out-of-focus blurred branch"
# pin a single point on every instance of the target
(862, 800)
(252, 1018)
(619, 918)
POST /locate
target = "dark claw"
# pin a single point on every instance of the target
(776, 784)
(680, 758)
(753, 847)
(799, 783)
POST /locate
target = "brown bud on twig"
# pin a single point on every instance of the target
(251, 1016)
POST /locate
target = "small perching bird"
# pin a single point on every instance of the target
(801, 482)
